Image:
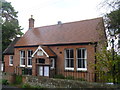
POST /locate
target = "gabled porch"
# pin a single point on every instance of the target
(43, 62)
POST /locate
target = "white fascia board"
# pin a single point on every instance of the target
(40, 48)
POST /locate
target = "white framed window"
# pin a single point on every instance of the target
(11, 60)
(52, 63)
(69, 59)
(29, 58)
(81, 59)
(22, 58)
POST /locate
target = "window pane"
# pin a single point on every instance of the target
(79, 53)
(79, 63)
(71, 63)
(11, 62)
(29, 61)
(83, 63)
(52, 63)
(41, 70)
(23, 61)
(23, 53)
(31, 53)
(11, 57)
(67, 62)
(71, 54)
(20, 53)
(29, 57)
(22, 57)
(67, 53)
(46, 70)
(28, 53)
(41, 60)
(83, 53)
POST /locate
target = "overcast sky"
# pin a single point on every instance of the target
(49, 12)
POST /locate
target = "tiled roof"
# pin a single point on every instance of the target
(10, 49)
(73, 32)
(49, 51)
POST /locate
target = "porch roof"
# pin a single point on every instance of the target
(49, 51)
(46, 50)
(10, 49)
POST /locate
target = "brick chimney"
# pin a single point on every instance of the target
(31, 22)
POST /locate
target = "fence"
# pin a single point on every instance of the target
(101, 77)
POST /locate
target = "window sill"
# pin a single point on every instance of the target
(29, 66)
(82, 69)
(10, 64)
(69, 69)
(22, 65)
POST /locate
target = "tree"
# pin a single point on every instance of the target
(104, 65)
(113, 21)
(113, 17)
(10, 24)
(111, 4)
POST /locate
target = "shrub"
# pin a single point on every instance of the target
(60, 76)
(69, 77)
(5, 82)
(18, 79)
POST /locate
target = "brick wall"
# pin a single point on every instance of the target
(60, 63)
(8, 76)
(8, 68)
(59, 50)
(17, 58)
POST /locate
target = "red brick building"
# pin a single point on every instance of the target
(65, 48)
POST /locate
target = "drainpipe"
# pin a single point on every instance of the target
(95, 47)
